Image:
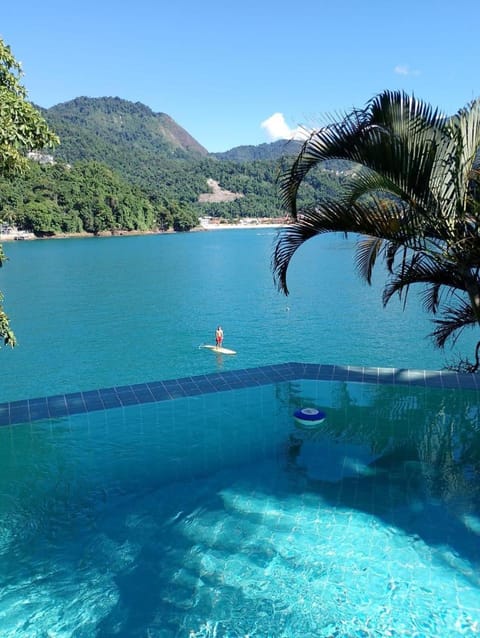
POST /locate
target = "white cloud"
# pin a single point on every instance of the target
(277, 129)
(404, 69)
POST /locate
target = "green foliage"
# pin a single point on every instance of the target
(409, 188)
(21, 129)
(86, 197)
(151, 151)
(21, 126)
(274, 151)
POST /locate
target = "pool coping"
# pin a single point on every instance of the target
(50, 407)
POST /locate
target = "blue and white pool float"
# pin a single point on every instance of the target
(309, 418)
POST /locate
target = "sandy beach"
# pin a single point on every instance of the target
(236, 226)
(203, 226)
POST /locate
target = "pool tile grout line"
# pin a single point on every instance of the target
(56, 406)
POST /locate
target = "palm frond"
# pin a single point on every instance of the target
(422, 268)
(379, 219)
(289, 239)
(465, 127)
(367, 252)
(454, 321)
(413, 195)
(431, 297)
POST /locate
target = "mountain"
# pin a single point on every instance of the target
(272, 151)
(92, 126)
(155, 154)
(148, 149)
(111, 121)
(122, 167)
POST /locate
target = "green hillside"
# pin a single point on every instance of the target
(273, 151)
(103, 124)
(120, 166)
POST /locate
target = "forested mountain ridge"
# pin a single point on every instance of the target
(117, 122)
(267, 151)
(116, 156)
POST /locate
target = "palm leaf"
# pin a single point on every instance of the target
(422, 269)
(412, 195)
(453, 323)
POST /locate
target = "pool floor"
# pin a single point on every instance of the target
(217, 516)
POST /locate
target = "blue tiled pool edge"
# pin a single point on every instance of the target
(57, 406)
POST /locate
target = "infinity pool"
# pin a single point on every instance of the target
(215, 514)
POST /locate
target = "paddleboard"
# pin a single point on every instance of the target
(219, 350)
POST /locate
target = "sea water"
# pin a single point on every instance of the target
(103, 312)
(215, 515)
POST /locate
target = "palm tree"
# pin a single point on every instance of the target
(413, 197)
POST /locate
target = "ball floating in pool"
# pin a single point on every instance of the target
(309, 418)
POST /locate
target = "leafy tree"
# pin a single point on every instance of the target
(411, 191)
(22, 129)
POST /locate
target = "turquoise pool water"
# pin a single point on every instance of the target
(215, 515)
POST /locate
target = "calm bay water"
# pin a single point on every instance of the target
(92, 313)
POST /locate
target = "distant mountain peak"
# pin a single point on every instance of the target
(116, 121)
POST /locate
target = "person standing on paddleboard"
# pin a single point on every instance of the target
(219, 337)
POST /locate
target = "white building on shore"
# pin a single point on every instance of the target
(10, 233)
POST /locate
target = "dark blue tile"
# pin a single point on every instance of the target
(340, 374)
(5, 407)
(123, 389)
(143, 394)
(188, 387)
(57, 410)
(155, 384)
(19, 413)
(236, 385)
(241, 373)
(14, 404)
(206, 386)
(137, 386)
(159, 393)
(416, 382)
(128, 399)
(171, 385)
(75, 403)
(355, 376)
(77, 409)
(92, 404)
(107, 391)
(111, 401)
(177, 393)
(37, 401)
(58, 399)
(39, 411)
(91, 394)
(465, 381)
(4, 418)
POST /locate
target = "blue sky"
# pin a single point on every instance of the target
(221, 69)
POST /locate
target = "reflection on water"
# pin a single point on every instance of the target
(216, 516)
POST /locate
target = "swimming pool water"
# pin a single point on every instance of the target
(215, 515)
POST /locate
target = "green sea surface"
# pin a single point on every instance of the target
(102, 312)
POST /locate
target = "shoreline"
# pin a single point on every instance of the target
(133, 233)
(236, 226)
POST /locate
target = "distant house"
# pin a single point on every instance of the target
(12, 232)
(41, 158)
